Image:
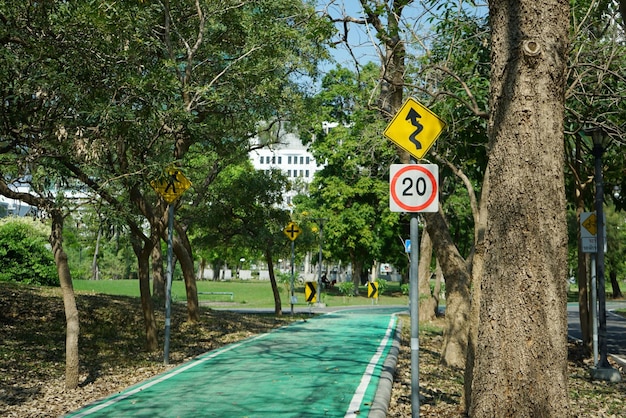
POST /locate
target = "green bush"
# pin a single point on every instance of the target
(346, 288)
(25, 256)
(404, 287)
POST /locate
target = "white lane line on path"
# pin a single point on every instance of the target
(176, 371)
(357, 398)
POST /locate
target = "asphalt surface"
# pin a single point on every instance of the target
(326, 366)
(615, 328)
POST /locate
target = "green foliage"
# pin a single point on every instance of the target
(284, 279)
(615, 259)
(351, 192)
(346, 288)
(405, 287)
(383, 285)
(25, 256)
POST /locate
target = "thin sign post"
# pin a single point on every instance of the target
(170, 190)
(168, 283)
(292, 231)
(414, 310)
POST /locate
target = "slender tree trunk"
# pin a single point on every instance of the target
(428, 304)
(182, 248)
(457, 277)
(201, 267)
(158, 276)
(69, 302)
(478, 263)
(95, 273)
(278, 310)
(439, 279)
(584, 301)
(582, 271)
(617, 292)
(520, 367)
(142, 251)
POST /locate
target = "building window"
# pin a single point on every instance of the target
(289, 159)
(301, 173)
(308, 161)
(288, 173)
(306, 174)
(280, 160)
(302, 160)
(261, 160)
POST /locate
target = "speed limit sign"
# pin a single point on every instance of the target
(414, 188)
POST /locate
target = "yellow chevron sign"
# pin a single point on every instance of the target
(372, 290)
(310, 292)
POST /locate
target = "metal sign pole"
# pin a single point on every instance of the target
(293, 259)
(414, 308)
(168, 286)
(594, 310)
(319, 277)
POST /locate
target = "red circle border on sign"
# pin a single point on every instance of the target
(419, 207)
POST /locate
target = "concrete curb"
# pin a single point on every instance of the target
(383, 391)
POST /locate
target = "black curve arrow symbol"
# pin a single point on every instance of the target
(413, 117)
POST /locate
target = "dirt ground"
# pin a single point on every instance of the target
(32, 357)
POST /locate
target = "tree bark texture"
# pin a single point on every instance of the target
(428, 304)
(520, 367)
(69, 302)
(278, 310)
(158, 276)
(143, 250)
(457, 277)
(617, 292)
(182, 249)
(477, 268)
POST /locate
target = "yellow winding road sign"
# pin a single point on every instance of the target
(414, 128)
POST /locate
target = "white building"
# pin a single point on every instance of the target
(292, 158)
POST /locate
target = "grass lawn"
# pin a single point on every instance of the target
(246, 294)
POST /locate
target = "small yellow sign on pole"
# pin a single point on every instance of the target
(292, 231)
(414, 128)
(173, 186)
(310, 291)
(591, 224)
(372, 290)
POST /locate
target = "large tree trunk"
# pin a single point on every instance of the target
(457, 277)
(69, 302)
(278, 309)
(520, 367)
(428, 304)
(357, 270)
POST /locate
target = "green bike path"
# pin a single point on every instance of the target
(326, 366)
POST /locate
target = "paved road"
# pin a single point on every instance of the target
(615, 327)
(325, 366)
